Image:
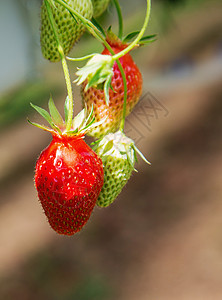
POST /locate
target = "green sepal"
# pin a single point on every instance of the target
(130, 36)
(73, 131)
(98, 72)
(95, 124)
(40, 126)
(79, 119)
(98, 26)
(148, 39)
(107, 147)
(94, 80)
(46, 116)
(89, 124)
(89, 116)
(144, 40)
(141, 155)
(56, 117)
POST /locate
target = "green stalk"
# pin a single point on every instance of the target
(125, 95)
(97, 34)
(140, 35)
(64, 65)
(89, 25)
(120, 18)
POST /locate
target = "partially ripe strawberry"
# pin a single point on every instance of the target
(68, 178)
(118, 154)
(99, 6)
(69, 29)
(95, 97)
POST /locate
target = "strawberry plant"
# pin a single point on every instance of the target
(94, 97)
(70, 176)
(69, 30)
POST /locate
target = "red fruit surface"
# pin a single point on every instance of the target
(113, 112)
(68, 178)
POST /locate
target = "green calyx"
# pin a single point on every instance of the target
(98, 72)
(81, 124)
(118, 145)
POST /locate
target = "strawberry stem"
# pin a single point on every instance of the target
(64, 65)
(125, 95)
(98, 34)
(140, 35)
(89, 25)
(120, 18)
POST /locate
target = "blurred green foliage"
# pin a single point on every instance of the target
(16, 104)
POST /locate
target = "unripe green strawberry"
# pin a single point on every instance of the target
(99, 6)
(95, 97)
(118, 156)
(69, 29)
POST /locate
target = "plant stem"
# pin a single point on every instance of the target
(125, 95)
(120, 18)
(141, 33)
(89, 25)
(64, 65)
(97, 34)
(70, 94)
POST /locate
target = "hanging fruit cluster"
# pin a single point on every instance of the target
(71, 177)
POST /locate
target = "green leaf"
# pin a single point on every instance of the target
(56, 117)
(66, 109)
(130, 36)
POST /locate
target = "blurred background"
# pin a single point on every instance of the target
(162, 238)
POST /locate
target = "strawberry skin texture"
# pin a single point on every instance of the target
(117, 171)
(68, 178)
(69, 30)
(113, 113)
(99, 6)
(116, 165)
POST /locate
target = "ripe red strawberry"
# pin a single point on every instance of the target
(69, 174)
(113, 112)
(68, 178)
